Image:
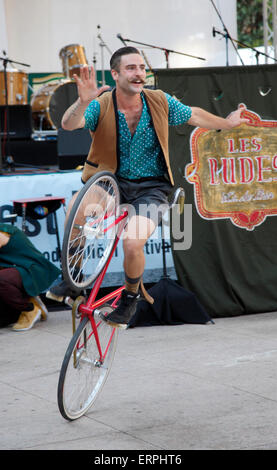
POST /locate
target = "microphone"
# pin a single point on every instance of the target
(121, 39)
(213, 31)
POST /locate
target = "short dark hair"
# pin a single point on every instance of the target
(116, 57)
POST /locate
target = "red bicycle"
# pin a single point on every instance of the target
(95, 224)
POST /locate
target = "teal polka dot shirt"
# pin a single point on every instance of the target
(140, 154)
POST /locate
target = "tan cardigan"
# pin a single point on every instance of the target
(103, 154)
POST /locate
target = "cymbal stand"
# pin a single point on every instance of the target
(8, 159)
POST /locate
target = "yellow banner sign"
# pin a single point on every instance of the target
(234, 172)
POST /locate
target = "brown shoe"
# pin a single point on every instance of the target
(36, 301)
(27, 320)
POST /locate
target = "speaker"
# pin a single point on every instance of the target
(19, 118)
(73, 147)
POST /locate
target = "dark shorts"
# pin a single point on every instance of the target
(147, 197)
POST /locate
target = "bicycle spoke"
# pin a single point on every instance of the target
(90, 232)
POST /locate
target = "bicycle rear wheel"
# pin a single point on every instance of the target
(83, 373)
(90, 231)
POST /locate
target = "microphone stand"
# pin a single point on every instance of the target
(8, 159)
(227, 36)
(246, 46)
(102, 44)
(166, 51)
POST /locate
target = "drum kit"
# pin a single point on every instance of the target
(51, 100)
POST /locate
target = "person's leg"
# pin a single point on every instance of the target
(149, 201)
(137, 232)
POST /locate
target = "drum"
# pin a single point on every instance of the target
(17, 87)
(73, 57)
(50, 102)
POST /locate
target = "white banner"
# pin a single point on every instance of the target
(42, 233)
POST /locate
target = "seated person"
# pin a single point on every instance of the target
(24, 274)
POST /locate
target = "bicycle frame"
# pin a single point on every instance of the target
(88, 308)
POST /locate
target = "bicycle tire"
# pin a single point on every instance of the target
(82, 376)
(88, 244)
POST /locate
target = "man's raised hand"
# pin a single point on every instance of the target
(86, 85)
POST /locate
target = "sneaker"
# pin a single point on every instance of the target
(121, 316)
(27, 320)
(38, 302)
(60, 291)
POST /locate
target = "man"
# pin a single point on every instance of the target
(130, 126)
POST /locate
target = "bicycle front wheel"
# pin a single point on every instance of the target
(84, 372)
(90, 231)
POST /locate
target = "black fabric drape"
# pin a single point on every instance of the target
(173, 305)
(231, 270)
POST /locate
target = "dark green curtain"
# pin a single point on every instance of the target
(231, 270)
